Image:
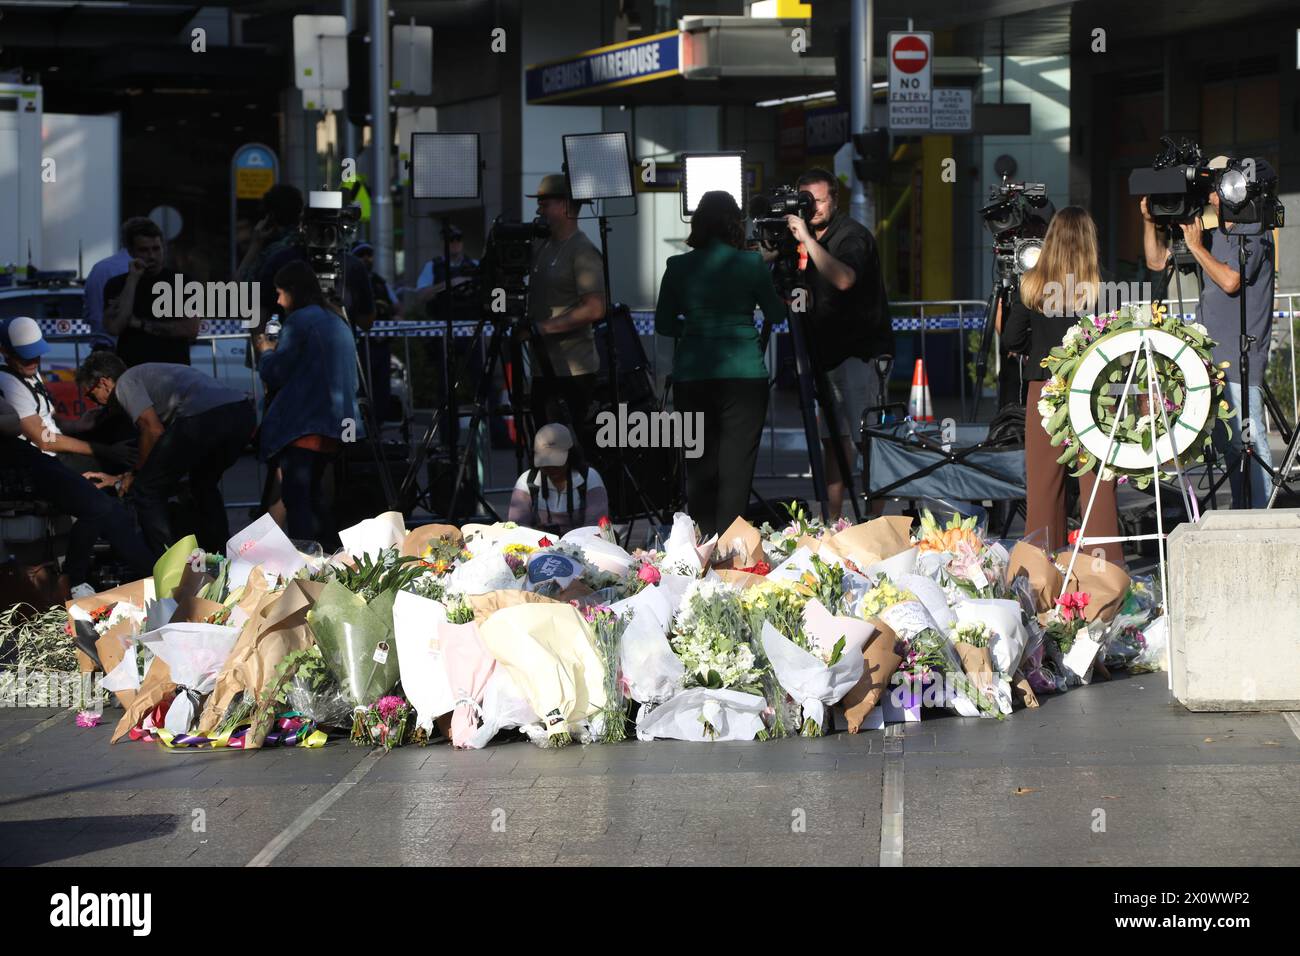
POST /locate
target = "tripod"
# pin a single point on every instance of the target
(623, 474)
(999, 304)
(812, 386)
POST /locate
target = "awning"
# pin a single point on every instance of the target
(710, 61)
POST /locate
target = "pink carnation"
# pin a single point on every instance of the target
(88, 718)
(388, 706)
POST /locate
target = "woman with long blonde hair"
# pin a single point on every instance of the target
(1061, 288)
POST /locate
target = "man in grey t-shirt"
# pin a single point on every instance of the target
(566, 297)
(1219, 310)
(189, 425)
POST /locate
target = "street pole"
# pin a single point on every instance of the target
(348, 130)
(860, 45)
(381, 140)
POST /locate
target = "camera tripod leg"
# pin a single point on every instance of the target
(481, 399)
(986, 346)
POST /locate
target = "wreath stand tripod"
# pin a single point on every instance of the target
(1162, 447)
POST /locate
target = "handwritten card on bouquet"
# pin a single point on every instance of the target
(264, 543)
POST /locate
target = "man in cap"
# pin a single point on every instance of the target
(1218, 309)
(566, 297)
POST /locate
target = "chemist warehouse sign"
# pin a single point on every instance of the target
(620, 64)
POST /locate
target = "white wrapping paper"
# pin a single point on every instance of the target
(931, 595)
(902, 563)
(650, 668)
(683, 554)
(419, 657)
(808, 679)
(598, 552)
(194, 653)
(1003, 618)
(733, 715)
(504, 707)
(373, 535)
(793, 567)
(484, 572)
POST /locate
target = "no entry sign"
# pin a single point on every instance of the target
(910, 62)
(911, 53)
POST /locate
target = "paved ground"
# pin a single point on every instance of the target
(1111, 774)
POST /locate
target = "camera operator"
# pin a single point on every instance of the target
(358, 298)
(1219, 310)
(566, 297)
(313, 371)
(849, 323)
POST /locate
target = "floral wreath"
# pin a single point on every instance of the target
(1070, 412)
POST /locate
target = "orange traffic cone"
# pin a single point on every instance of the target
(919, 408)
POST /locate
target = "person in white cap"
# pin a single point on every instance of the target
(560, 492)
(23, 390)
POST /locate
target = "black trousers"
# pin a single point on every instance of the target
(567, 399)
(308, 515)
(98, 513)
(202, 447)
(718, 481)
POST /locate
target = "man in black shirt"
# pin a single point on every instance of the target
(129, 302)
(848, 317)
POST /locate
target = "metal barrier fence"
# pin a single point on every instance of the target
(922, 319)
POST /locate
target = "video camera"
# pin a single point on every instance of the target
(1017, 216)
(1177, 184)
(768, 212)
(328, 228)
(508, 259)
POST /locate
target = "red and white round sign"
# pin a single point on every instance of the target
(910, 54)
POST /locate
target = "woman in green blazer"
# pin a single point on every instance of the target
(706, 302)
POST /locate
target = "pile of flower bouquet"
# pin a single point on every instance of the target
(468, 633)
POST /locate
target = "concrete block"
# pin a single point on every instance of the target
(1234, 595)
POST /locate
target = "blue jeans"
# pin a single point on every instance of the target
(1230, 447)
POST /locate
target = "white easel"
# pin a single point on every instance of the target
(1193, 371)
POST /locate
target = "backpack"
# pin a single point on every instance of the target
(534, 492)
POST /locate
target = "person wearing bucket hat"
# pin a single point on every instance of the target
(566, 297)
(560, 492)
(1214, 241)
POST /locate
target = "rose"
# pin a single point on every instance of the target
(545, 543)
(649, 574)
